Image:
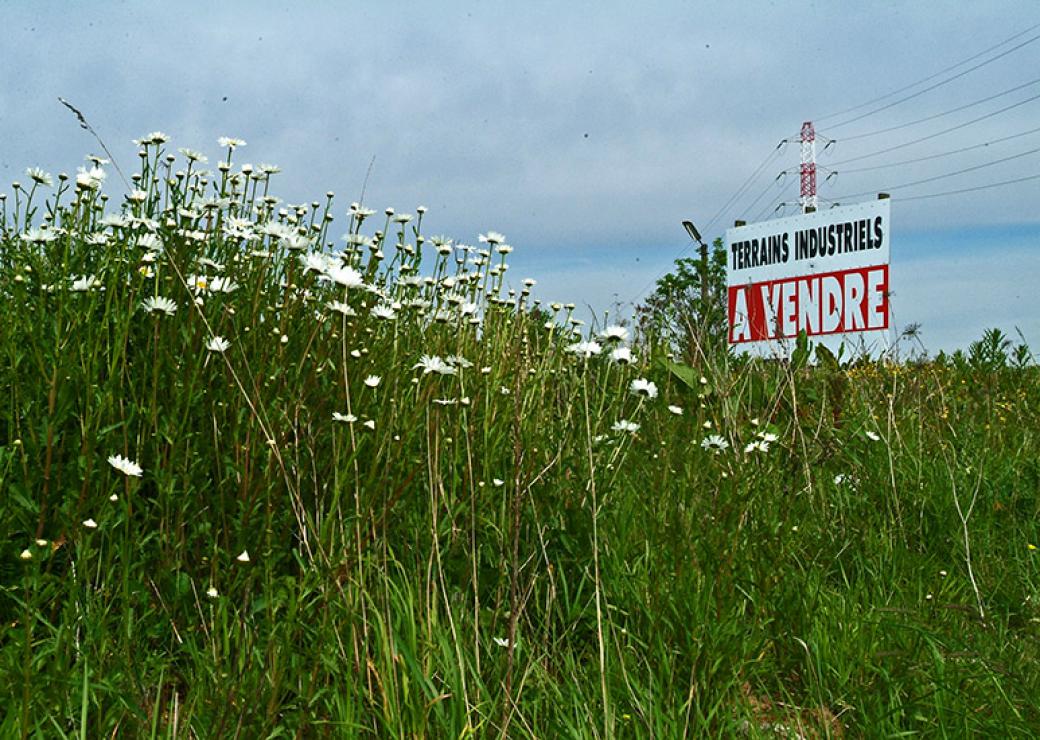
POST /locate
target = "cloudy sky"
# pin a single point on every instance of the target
(584, 131)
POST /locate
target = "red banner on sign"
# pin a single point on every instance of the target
(826, 303)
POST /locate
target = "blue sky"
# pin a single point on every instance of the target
(584, 131)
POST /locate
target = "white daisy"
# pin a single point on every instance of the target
(125, 466)
(458, 361)
(677, 410)
(90, 179)
(622, 356)
(372, 381)
(872, 436)
(40, 177)
(90, 524)
(643, 387)
(212, 592)
(159, 304)
(585, 349)
(492, 237)
(714, 443)
(38, 236)
(342, 308)
(155, 137)
(614, 333)
(218, 344)
(228, 142)
(243, 557)
(625, 426)
(434, 364)
(383, 311)
(193, 156)
(84, 283)
(345, 275)
(345, 418)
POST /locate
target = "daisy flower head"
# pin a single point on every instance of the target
(715, 444)
(341, 307)
(212, 592)
(458, 361)
(155, 137)
(625, 426)
(585, 349)
(218, 344)
(227, 142)
(193, 156)
(344, 275)
(385, 312)
(159, 304)
(90, 524)
(243, 557)
(872, 436)
(344, 418)
(757, 445)
(622, 356)
(83, 283)
(372, 381)
(125, 466)
(677, 410)
(40, 177)
(91, 179)
(614, 333)
(643, 387)
(38, 236)
(26, 554)
(317, 262)
(434, 364)
(492, 237)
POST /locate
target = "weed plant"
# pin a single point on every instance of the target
(262, 481)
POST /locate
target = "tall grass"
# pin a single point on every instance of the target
(430, 520)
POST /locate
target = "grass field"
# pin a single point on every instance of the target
(257, 486)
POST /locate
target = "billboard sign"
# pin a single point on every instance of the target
(824, 273)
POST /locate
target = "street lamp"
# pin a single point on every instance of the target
(696, 236)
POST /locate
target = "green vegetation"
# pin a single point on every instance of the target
(398, 499)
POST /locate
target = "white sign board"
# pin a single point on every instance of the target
(823, 272)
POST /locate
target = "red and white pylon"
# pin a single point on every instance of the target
(808, 171)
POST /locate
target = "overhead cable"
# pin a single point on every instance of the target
(932, 77)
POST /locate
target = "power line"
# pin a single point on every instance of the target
(751, 178)
(930, 77)
(972, 190)
(942, 154)
(940, 133)
(944, 113)
(747, 183)
(762, 195)
(945, 175)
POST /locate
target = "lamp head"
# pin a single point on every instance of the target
(692, 231)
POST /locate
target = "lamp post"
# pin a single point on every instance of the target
(696, 236)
